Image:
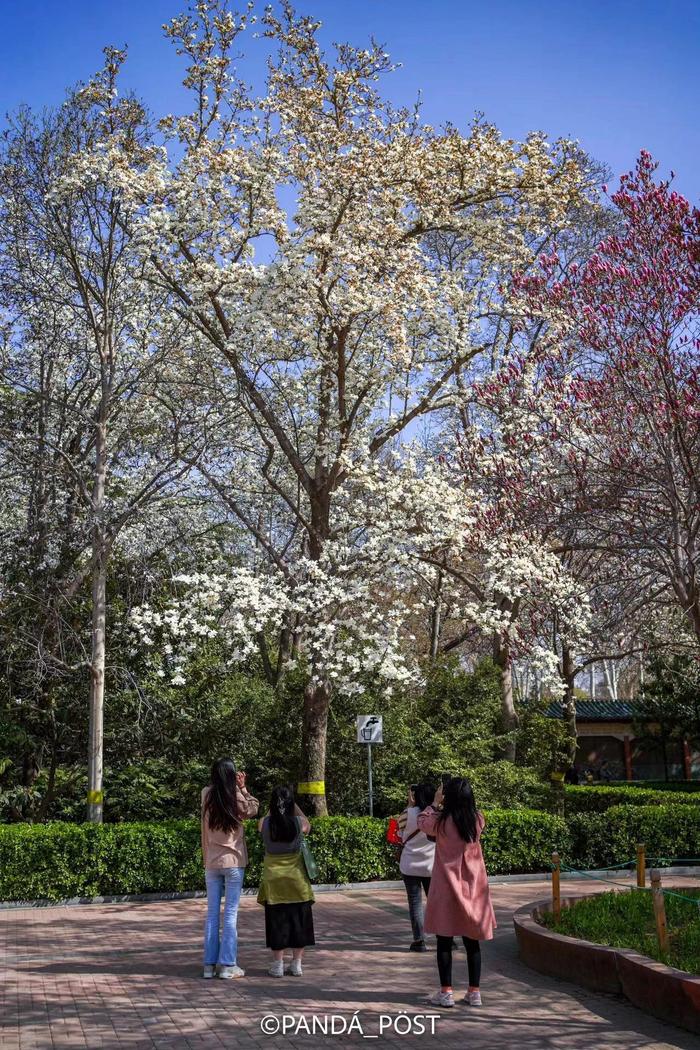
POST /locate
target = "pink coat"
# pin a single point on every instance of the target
(459, 901)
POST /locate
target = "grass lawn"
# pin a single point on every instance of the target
(626, 920)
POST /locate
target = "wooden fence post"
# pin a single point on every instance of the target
(659, 910)
(556, 890)
(641, 865)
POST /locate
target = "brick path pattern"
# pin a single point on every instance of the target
(128, 975)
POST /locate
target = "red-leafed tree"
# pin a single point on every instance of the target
(624, 344)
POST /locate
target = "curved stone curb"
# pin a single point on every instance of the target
(669, 994)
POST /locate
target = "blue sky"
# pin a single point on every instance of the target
(618, 76)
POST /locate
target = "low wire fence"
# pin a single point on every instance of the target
(641, 864)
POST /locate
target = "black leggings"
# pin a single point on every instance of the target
(444, 961)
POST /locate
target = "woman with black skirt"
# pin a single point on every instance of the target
(285, 889)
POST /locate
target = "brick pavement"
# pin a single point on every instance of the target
(127, 975)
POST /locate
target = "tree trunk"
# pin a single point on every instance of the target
(611, 676)
(51, 785)
(569, 702)
(99, 628)
(436, 619)
(284, 651)
(97, 688)
(317, 693)
(664, 752)
(509, 717)
(315, 725)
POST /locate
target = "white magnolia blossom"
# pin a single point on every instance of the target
(354, 604)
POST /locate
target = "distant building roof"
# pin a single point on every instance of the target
(598, 710)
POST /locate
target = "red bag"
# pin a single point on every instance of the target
(393, 834)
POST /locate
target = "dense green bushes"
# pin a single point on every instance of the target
(158, 753)
(55, 861)
(522, 840)
(598, 839)
(596, 799)
(59, 860)
(682, 786)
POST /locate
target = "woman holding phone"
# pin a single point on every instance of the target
(226, 803)
(459, 901)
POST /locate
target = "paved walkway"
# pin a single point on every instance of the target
(127, 975)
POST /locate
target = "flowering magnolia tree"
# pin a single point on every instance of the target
(92, 430)
(510, 462)
(627, 338)
(296, 234)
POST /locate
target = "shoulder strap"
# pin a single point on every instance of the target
(411, 836)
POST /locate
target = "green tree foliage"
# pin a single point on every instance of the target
(671, 697)
(162, 740)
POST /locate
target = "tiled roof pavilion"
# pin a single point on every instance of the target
(599, 710)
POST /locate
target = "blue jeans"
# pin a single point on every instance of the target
(226, 882)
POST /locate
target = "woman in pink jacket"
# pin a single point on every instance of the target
(226, 803)
(459, 901)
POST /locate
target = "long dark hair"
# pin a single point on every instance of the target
(282, 825)
(424, 794)
(458, 803)
(221, 806)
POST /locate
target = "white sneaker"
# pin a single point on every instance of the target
(208, 972)
(277, 969)
(444, 999)
(227, 973)
(295, 968)
(473, 998)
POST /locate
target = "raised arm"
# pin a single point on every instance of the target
(305, 825)
(248, 806)
(427, 820)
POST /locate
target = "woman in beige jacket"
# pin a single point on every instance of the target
(226, 803)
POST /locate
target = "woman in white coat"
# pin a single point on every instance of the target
(417, 856)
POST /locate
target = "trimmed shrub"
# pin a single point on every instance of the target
(597, 799)
(682, 786)
(59, 860)
(347, 849)
(668, 833)
(522, 840)
(55, 861)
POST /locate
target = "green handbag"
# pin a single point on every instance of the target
(309, 860)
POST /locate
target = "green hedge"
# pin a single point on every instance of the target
(677, 786)
(57, 861)
(522, 840)
(598, 799)
(600, 839)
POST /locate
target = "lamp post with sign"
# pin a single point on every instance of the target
(370, 731)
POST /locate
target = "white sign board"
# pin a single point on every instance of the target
(369, 729)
